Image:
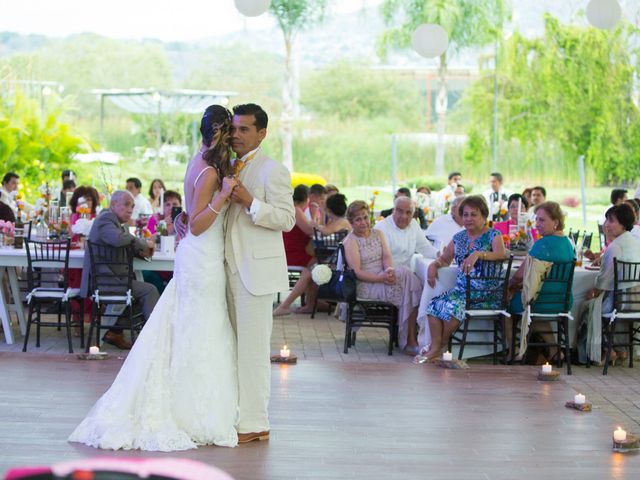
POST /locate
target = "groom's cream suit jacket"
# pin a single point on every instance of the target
(255, 249)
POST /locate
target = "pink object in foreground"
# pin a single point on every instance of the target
(174, 468)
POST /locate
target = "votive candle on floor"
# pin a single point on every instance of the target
(94, 350)
(579, 399)
(447, 356)
(619, 435)
(546, 368)
(285, 352)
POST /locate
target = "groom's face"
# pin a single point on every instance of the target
(244, 134)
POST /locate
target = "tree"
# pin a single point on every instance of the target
(571, 89)
(37, 148)
(293, 16)
(469, 23)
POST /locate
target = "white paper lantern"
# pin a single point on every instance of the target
(430, 40)
(604, 14)
(252, 8)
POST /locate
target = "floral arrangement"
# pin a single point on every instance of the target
(82, 226)
(146, 233)
(518, 240)
(7, 228)
(506, 240)
(321, 274)
(162, 229)
(372, 204)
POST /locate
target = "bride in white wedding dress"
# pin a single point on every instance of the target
(178, 387)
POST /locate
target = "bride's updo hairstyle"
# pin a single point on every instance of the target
(215, 128)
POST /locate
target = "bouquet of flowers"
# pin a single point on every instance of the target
(519, 240)
(321, 274)
(7, 228)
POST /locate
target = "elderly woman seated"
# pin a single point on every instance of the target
(369, 256)
(475, 242)
(554, 247)
(619, 221)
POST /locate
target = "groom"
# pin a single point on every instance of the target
(255, 262)
(256, 267)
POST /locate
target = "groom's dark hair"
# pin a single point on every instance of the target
(252, 109)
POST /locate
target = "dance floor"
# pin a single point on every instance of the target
(333, 420)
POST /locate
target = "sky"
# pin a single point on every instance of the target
(167, 20)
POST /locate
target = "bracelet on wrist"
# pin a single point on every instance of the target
(213, 209)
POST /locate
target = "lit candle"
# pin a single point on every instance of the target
(546, 368)
(447, 356)
(94, 350)
(162, 200)
(519, 209)
(619, 435)
(579, 399)
(284, 352)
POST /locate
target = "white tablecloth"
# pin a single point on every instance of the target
(11, 258)
(583, 281)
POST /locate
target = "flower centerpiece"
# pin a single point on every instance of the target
(7, 230)
(82, 227)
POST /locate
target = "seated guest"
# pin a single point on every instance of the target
(623, 246)
(172, 199)
(6, 213)
(635, 206)
(315, 206)
(68, 187)
(538, 197)
(418, 213)
(448, 193)
(142, 205)
(443, 228)
(526, 193)
(298, 248)
(331, 189)
(514, 199)
(552, 246)
(369, 256)
(155, 192)
(9, 189)
(109, 228)
(618, 196)
(84, 197)
(336, 209)
(404, 236)
(496, 197)
(475, 242)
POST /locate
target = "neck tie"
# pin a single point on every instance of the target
(240, 164)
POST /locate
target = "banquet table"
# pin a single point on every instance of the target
(583, 281)
(11, 258)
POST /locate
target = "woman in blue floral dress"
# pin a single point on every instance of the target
(475, 242)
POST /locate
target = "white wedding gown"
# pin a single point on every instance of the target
(178, 387)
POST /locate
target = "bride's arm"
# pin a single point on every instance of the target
(205, 209)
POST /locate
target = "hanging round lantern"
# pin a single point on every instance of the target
(430, 40)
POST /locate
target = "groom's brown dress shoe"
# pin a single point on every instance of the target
(253, 436)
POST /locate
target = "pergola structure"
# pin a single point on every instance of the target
(154, 101)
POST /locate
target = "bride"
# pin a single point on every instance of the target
(178, 387)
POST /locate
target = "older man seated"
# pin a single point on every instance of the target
(403, 235)
(443, 228)
(110, 228)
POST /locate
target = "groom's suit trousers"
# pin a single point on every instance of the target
(252, 321)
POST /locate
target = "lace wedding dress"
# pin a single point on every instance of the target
(178, 387)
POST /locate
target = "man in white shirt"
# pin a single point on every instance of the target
(142, 206)
(448, 193)
(10, 183)
(443, 228)
(618, 196)
(496, 198)
(403, 235)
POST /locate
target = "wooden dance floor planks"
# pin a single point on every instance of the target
(334, 420)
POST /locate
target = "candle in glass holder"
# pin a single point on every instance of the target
(619, 435)
(94, 350)
(447, 356)
(285, 352)
(579, 399)
(546, 368)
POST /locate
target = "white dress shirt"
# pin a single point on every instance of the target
(635, 231)
(141, 206)
(442, 230)
(403, 243)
